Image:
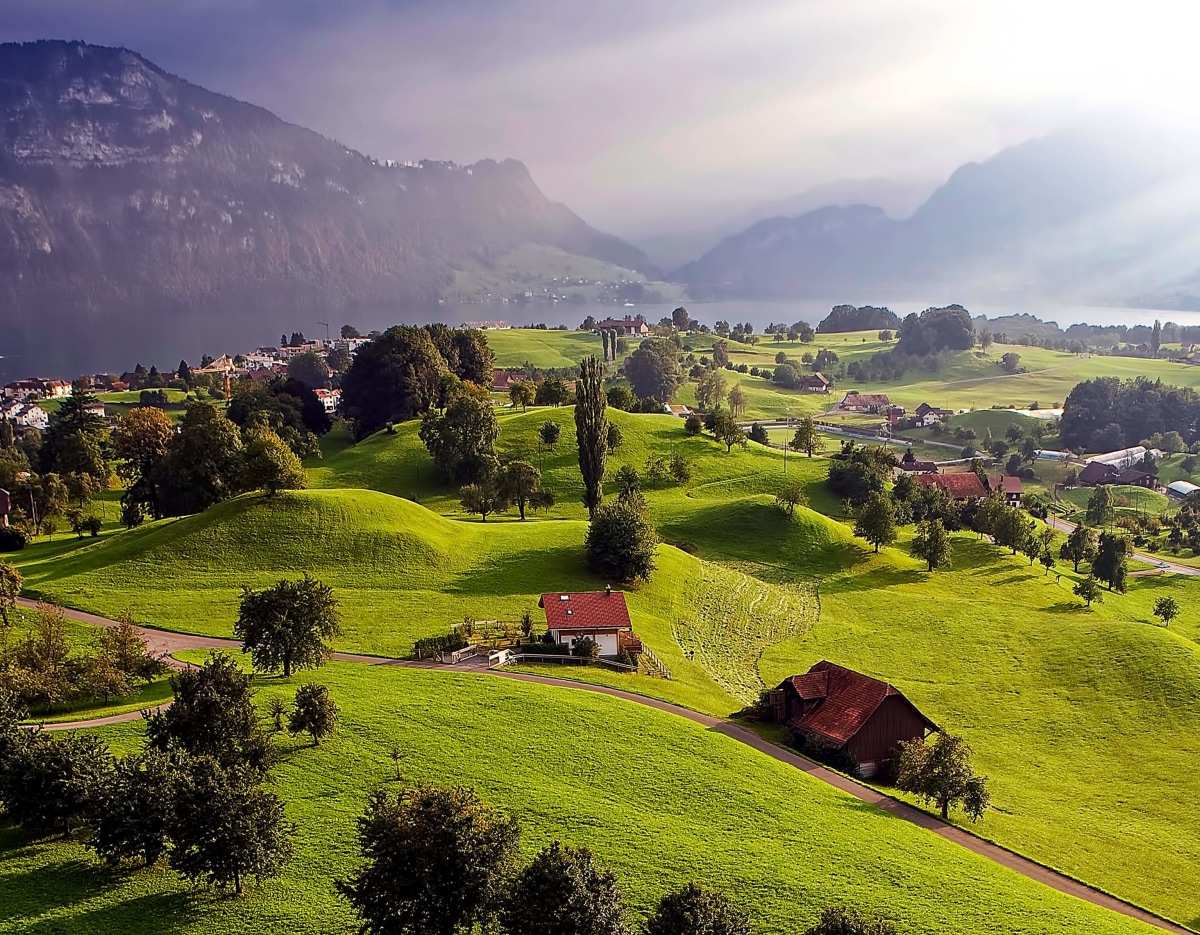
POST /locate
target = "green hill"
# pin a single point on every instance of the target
(659, 799)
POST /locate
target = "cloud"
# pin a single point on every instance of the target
(636, 113)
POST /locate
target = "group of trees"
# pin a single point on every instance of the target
(41, 669)
(857, 471)
(844, 318)
(407, 371)
(440, 860)
(195, 794)
(1106, 414)
(208, 460)
(1106, 555)
(653, 370)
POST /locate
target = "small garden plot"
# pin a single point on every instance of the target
(736, 618)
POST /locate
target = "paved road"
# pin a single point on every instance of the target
(1174, 567)
(166, 641)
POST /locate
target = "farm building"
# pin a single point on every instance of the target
(855, 401)
(682, 411)
(817, 383)
(602, 615)
(927, 415)
(5, 506)
(1096, 473)
(837, 708)
(1013, 489)
(628, 326)
(961, 487)
(1132, 477)
(503, 379)
(1181, 488)
(1126, 457)
(915, 467)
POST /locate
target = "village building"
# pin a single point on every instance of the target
(502, 380)
(1132, 477)
(915, 467)
(817, 383)
(329, 398)
(1095, 473)
(36, 388)
(834, 708)
(25, 415)
(1126, 457)
(961, 487)
(602, 615)
(627, 326)
(855, 401)
(682, 411)
(926, 415)
(1010, 486)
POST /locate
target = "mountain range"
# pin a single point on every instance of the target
(1099, 214)
(141, 214)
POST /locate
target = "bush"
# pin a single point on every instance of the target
(547, 647)
(432, 645)
(758, 434)
(11, 539)
(693, 425)
(585, 648)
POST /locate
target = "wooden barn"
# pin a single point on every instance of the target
(839, 709)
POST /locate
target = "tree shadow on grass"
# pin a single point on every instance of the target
(523, 572)
(152, 914)
(45, 887)
(1068, 607)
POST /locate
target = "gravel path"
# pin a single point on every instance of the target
(164, 641)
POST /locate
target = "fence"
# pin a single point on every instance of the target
(506, 657)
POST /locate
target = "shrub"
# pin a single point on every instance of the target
(693, 425)
(586, 648)
(432, 645)
(11, 539)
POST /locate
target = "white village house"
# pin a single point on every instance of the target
(602, 615)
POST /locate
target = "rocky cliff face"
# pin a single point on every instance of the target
(140, 212)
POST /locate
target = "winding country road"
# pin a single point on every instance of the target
(1174, 567)
(165, 641)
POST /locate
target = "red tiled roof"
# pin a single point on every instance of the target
(963, 486)
(850, 700)
(811, 685)
(588, 610)
(1009, 483)
(865, 399)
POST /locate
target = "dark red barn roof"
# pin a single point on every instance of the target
(850, 698)
(1009, 483)
(587, 610)
(1096, 473)
(964, 486)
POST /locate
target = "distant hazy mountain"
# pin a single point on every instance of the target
(897, 198)
(141, 214)
(1076, 214)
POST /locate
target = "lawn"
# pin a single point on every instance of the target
(659, 799)
(516, 347)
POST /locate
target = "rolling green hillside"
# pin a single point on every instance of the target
(659, 799)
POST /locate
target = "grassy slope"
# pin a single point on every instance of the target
(660, 800)
(1085, 720)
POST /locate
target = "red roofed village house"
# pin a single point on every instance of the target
(834, 708)
(602, 615)
(1014, 490)
(961, 487)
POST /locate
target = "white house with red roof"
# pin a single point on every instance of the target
(602, 615)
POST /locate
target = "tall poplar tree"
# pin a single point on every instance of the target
(591, 431)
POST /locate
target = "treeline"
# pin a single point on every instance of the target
(1106, 414)
(866, 318)
(1031, 331)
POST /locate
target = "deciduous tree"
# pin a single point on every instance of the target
(462, 442)
(807, 438)
(519, 483)
(224, 827)
(932, 543)
(483, 499)
(1088, 590)
(521, 394)
(269, 464)
(791, 495)
(876, 520)
(726, 430)
(1079, 547)
(563, 892)
(710, 389)
(132, 814)
(203, 465)
(621, 541)
(289, 625)
(1166, 609)
(941, 772)
(1110, 565)
(838, 920)
(213, 715)
(11, 582)
(314, 713)
(394, 377)
(653, 369)
(437, 862)
(696, 910)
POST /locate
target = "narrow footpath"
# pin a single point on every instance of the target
(165, 641)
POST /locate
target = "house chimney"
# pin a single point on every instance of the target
(607, 590)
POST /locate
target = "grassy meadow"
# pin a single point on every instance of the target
(1087, 721)
(659, 799)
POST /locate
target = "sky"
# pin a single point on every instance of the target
(654, 117)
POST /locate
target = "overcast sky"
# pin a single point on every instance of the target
(646, 115)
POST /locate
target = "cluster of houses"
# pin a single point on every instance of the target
(964, 486)
(1119, 467)
(18, 402)
(828, 708)
(879, 404)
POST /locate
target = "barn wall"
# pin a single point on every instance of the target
(893, 721)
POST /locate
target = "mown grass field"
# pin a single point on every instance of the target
(660, 800)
